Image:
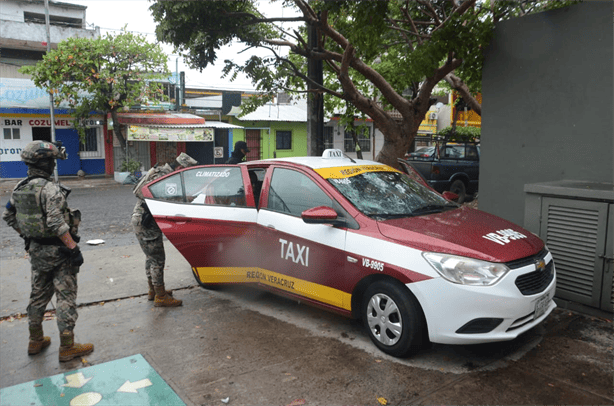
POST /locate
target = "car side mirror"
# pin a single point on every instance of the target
(450, 195)
(321, 215)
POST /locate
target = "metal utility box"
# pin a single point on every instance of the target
(576, 220)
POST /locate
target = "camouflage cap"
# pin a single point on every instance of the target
(185, 160)
(38, 150)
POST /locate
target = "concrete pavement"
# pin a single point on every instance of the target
(249, 347)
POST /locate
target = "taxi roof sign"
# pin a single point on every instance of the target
(332, 153)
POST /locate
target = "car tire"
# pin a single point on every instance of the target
(393, 319)
(458, 187)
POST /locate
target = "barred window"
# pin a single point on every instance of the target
(328, 138)
(284, 139)
(364, 140)
(91, 140)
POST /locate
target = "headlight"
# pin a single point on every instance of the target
(466, 271)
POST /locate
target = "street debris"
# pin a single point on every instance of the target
(225, 400)
(95, 242)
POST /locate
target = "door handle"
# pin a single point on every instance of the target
(352, 259)
(271, 226)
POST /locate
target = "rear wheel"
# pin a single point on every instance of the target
(393, 318)
(458, 187)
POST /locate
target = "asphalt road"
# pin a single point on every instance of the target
(105, 212)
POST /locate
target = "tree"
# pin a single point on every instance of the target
(105, 74)
(383, 58)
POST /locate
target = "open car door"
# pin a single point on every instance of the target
(208, 214)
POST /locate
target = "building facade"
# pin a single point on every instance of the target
(25, 113)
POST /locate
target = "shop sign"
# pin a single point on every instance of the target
(160, 134)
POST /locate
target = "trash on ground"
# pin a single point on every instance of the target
(95, 242)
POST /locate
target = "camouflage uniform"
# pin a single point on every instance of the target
(146, 229)
(39, 210)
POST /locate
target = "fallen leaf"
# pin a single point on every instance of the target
(382, 401)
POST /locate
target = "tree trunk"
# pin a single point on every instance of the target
(117, 129)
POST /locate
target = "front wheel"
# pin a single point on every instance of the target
(393, 318)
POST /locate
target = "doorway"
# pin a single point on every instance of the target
(166, 152)
(41, 134)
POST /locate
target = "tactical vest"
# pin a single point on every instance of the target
(30, 216)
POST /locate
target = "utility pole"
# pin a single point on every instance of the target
(51, 108)
(315, 101)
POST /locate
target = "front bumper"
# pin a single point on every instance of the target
(448, 307)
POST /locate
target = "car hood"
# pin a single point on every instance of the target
(466, 232)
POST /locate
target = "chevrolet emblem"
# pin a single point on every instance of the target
(540, 265)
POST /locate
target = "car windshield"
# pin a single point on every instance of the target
(387, 195)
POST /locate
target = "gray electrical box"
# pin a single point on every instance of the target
(576, 221)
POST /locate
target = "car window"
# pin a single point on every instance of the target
(215, 185)
(385, 195)
(170, 188)
(454, 151)
(293, 192)
(472, 153)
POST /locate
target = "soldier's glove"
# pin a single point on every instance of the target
(26, 242)
(147, 220)
(74, 255)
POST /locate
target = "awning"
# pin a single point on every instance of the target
(159, 119)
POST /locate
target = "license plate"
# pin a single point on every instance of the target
(541, 305)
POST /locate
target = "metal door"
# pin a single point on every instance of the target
(70, 140)
(252, 137)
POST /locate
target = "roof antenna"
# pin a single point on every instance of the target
(350, 158)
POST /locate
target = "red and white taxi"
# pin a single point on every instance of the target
(362, 239)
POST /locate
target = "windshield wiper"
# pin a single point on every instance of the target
(392, 216)
(434, 208)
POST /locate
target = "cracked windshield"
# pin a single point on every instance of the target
(387, 195)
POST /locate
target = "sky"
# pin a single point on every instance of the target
(112, 15)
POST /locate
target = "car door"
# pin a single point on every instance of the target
(306, 260)
(208, 214)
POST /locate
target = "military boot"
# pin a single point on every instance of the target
(37, 340)
(163, 299)
(151, 295)
(70, 350)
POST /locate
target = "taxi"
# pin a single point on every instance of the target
(362, 239)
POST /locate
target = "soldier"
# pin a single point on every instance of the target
(150, 237)
(37, 210)
(239, 153)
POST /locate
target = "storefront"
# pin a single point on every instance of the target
(159, 137)
(21, 126)
(25, 117)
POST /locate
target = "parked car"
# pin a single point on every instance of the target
(453, 167)
(362, 239)
(421, 153)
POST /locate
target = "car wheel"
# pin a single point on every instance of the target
(393, 318)
(458, 187)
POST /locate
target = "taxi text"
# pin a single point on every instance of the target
(300, 255)
(503, 237)
(270, 278)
